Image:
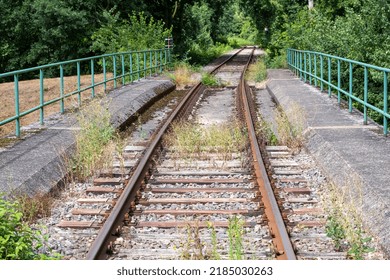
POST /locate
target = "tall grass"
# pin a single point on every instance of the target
(290, 126)
(345, 224)
(191, 140)
(194, 248)
(94, 134)
(257, 72)
(183, 75)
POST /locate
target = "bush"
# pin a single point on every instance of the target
(95, 133)
(17, 240)
(257, 72)
(138, 33)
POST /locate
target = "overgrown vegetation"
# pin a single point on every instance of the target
(235, 233)
(94, 134)
(18, 241)
(192, 140)
(36, 207)
(194, 248)
(136, 33)
(266, 133)
(290, 126)
(182, 75)
(344, 223)
(210, 80)
(257, 71)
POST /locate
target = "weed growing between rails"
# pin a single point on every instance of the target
(194, 141)
(290, 126)
(345, 225)
(194, 248)
(210, 80)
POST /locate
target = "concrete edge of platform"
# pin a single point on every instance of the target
(49, 171)
(342, 175)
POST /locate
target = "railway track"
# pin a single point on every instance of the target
(160, 203)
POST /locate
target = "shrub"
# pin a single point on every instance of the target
(94, 134)
(17, 240)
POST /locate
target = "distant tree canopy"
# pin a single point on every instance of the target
(35, 32)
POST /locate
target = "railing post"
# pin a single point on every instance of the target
(350, 87)
(138, 66)
(365, 93)
(131, 67)
(41, 97)
(144, 64)
(150, 63)
(329, 76)
(62, 103)
(322, 71)
(385, 103)
(310, 69)
(79, 82)
(114, 65)
(156, 65)
(338, 81)
(300, 65)
(304, 59)
(166, 54)
(161, 61)
(287, 57)
(104, 74)
(315, 70)
(123, 69)
(92, 78)
(17, 111)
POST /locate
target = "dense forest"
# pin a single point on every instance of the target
(36, 32)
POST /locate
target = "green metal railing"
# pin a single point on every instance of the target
(363, 85)
(124, 67)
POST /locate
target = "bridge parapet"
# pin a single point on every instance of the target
(123, 67)
(363, 86)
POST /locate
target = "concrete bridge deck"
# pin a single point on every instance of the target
(354, 156)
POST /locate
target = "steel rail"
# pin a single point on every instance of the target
(281, 239)
(99, 247)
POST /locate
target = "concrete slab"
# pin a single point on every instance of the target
(350, 153)
(36, 164)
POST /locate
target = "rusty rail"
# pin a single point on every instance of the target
(111, 226)
(281, 240)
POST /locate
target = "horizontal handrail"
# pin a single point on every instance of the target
(327, 70)
(121, 66)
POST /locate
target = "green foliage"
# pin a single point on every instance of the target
(335, 231)
(17, 240)
(194, 248)
(235, 233)
(214, 243)
(139, 32)
(266, 133)
(358, 30)
(258, 71)
(209, 80)
(357, 245)
(277, 62)
(95, 132)
(36, 32)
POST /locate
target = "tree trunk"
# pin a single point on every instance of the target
(311, 4)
